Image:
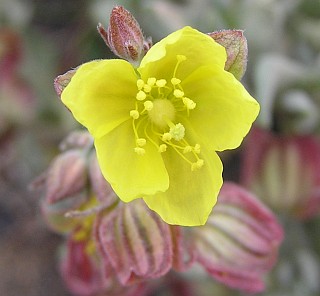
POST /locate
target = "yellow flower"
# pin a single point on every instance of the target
(157, 127)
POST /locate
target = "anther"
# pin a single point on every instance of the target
(178, 93)
(166, 137)
(141, 95)
(139, 150)
(147, 88)
(161, 82)
(187, 149)
(200, 163)
(197, 165)
(197, 148)
(148, 105)
(175, 81)
(177, 131)
(141, 142)
(162, 148)
(151, 81)
(189, 103)
(181, 58)
(140, 84)
(134, 114)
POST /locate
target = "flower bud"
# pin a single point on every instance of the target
(17, 104)
(284, 171)
(136, 242)
(99, 186)
(80, 269)
(237, 50)
(66, 176)
(124, 36)
(54, 214)
(61, 81)
(77, 140)
(10, 53)
(240, 241)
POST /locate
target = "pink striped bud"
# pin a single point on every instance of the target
(284, 171)
(135, 241)
(66, 176)
(240, 241)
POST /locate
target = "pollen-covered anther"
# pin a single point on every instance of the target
(134, 114)
(162, 148)
(148, 105)
(197, 148)
(147, 88)
(141, 142)
(177, 131)
(139, 150)
(161, 83)
(166, 137)
(189, 103)
(151, 81)
(181, 58)
(141, 95)
(197, 165)
(178, 93)
(187, 149)
(175, 81)
(140, 84)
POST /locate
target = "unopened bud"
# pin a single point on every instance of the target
(240, 240)
(237, 50)
(100, 187)
(283, 170)
(66, 177)
(124, 36)
(61, 82)
(143, 233)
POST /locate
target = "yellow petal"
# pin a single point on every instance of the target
(130, 175)
(191, 194)
(101, 94)
(224, 109)
(198, 48)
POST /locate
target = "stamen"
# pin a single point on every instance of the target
(161, 83)
(175, 81)
(162, 148)
(141, 95)
(189, 103)
(151, 81)
(148, 105)
(166, 137)
(134, 114)
(177, 131)
(187, 149)
(197, 148)
(181, 58)
(197, 165)
(140, 84)
(141, 142)
(139, 150)
(147, 88)
(178, 93)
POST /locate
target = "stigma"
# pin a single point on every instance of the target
(158, 104)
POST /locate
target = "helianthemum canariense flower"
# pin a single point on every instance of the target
(157, 127)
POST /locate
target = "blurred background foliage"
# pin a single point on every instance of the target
(40, 39)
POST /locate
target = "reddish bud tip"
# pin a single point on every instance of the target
(237, 50)
(124, 36)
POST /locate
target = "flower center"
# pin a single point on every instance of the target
(162, 112)
(157, 104)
